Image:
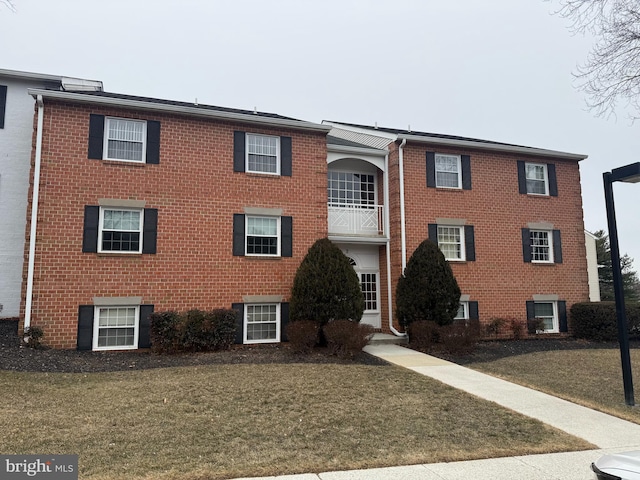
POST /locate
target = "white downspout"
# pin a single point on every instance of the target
(403, 233)
(387, 228)
(34, 214)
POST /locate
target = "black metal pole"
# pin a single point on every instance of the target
(623, 335)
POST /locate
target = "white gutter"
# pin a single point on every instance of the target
(403, 232)
(387, 228)
(34, 214)
(197, 111)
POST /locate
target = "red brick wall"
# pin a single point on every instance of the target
(499, 279)
(196, 193)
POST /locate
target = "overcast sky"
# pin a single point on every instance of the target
(497, 69)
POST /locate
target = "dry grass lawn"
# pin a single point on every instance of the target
(226, 421)
(590, 377)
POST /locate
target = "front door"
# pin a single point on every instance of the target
(365, 261)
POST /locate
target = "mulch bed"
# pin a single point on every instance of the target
(14, 357)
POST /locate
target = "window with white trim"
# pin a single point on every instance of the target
(369, 287)
(536, 178)
(120, 230)
(262, 323)
(448, 171)
(125, 139)
(348, 188)
(263, 154)
(463, 311)
(541, 242)
(263, 235)
(547, 312)
(116, 328)
(451, 242)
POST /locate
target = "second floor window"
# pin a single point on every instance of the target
(448, 171)
(125, 139)
(347, 188)
(263, 154)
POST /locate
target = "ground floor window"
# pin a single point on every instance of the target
(463, 311)
(369, 287)
(262, 323)
(547, 312)
(116, 328)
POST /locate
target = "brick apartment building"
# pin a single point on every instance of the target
(148, 204)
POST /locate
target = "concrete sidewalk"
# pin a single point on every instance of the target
(610, 434)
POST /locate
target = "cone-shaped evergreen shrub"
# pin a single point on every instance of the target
(326, 287)
(427, 290)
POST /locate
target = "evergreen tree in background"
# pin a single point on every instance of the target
(630, 283)
(326, 287)
(427, 290)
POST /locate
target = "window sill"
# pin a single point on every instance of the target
(538, 195)
(547, 264)
(120, 163)
(121, 255)
(262, 257)
(262, 175)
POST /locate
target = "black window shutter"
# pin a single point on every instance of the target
(432, 232)
(239, 308)
(469, 243)
(557, 247)
(553, 183)
(85, 327)
(150, 230)
(431, 169)
(238, 151)
(522, 178)
(526, 245)
(285, 156)
(286, 245)
(238, 235)
(153, 142)
(562, 316)
(90, 235)
(473, 311)
(3, 104)
(144, 329)
(531, 309)
(465, 161)
(96, 136)
(284, 321)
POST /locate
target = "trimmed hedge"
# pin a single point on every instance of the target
(193, 331)
(597, 320)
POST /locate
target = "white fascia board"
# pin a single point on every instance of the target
(65, 82)
(356, 150)
(539, 152)
(30, 75)
(179, 109)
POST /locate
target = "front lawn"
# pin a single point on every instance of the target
(225, 421)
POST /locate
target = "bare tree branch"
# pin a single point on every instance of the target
(611, 73)
(9, 4)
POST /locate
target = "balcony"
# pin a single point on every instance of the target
(357, 220)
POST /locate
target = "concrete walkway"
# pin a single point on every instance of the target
(610, 434)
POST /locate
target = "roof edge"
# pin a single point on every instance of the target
(493, 146)
(191, 111)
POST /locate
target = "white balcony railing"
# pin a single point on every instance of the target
(356, 219)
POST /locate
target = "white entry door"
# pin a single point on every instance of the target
(365, 261)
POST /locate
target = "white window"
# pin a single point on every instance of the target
(541, 242)
(262, 323)
(369, 287)
(448, 171)
(120, 230)
(463, 311)
(263, 154)
(451, 242)
(548, 313)
(125, 139)
(263, 235)
(116, 328)
(347, 188)
(537, 179)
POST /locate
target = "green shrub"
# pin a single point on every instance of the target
(303, 335)
(422, 335)
(347, 338)
(325, 287)
(460, 337)
(33, 337)
(194, 331)
(427, 290)
(598, 321)
(165, 336)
